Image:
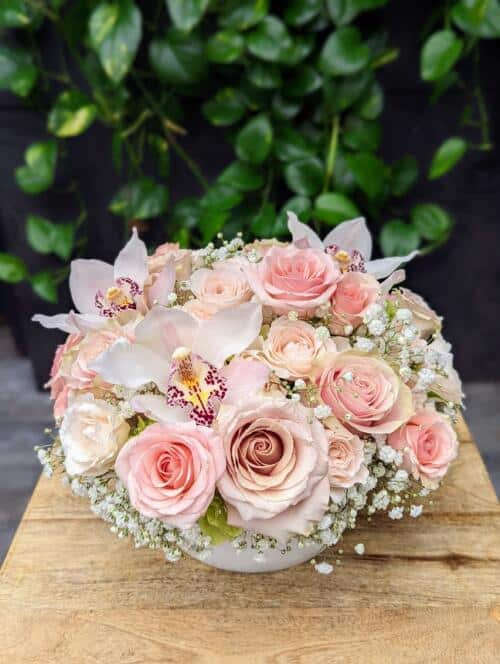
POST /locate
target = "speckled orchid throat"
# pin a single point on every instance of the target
(118, 298)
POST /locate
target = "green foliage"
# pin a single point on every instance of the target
(293, 87)
(214, 523)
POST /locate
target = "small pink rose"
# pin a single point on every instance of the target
(429, 444)
(346, 465)
(292, 279)
(223, 286)
(182, 260)
(364, 393)
(59, 389)
(170, 471)
(276, 453)
(354, 293)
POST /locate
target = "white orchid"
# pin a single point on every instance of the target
(184, 357)
(352, 241)
(101, 291)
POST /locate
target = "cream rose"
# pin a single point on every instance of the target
(221, 287)
(365, 393)
(346, 465)
(277, 461)
(92, 433)
(292, 348)
(429, 444)
(425, 319)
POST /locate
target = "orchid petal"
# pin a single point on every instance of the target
(351, 236)
(244, 378)
(132, 260)
(86, 278)
(86, 322)
(383, 267)
(57, 322)
(163, 330)
(392, 280)
(230, 331)
(131, 365)
(302, 236)
(155, 407)
(163, 286)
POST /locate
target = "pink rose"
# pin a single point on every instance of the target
(292, 348)
(59, 391)
(354, 293)
(429, 444)
(223, 286)
(182, 260)
(292, 279)
(79, 375)
(170, 471)
(200, 310)
(263, 246)
(365, 393)
(346, 465)
(277, 460)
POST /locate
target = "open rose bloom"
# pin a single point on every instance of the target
(246, 402)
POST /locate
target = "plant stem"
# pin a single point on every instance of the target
(486, 143)
(166, 125)
(332, 152)
(146, 113)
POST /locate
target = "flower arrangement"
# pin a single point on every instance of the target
(250, 399)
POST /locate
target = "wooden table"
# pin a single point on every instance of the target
(426, 590)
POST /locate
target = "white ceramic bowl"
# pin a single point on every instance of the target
(224, 556)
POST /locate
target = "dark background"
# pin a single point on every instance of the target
(460, 280)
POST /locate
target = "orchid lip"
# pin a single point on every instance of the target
(119, 297)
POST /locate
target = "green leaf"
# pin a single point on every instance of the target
(301, 47)
(214, 523)
(398, 238)
(269, 40)
(186, 13)
(431, 221)
(344, 53)
(342, 94)
(361, 135)
(242, 176)
(369, 172)
(304, 80)
(115, 30)
(211, 222)
(283, 108)
(343, 12)
(178, 58)
(333, 208)
(226, 108)
(404, 175)
(222, 197)
(17, 14)
(38, 234)
(299, 12)
(304, 176)
(264, 75)
(63, 240)
(290, 145)
(244, 14)
(479, 19)
(71, 115)
(447, 155)
(38, 173)
(439, 54)
(225, 46)
(142, 199)
(254, 141)
(44, 285)
(12, 269)
(18, 72)
(187, 213)
(371, 104)
(263, 224)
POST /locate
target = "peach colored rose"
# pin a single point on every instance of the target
(429, 444)
(277, 461)
(292, 348)
(346, 465)
(365, 393)
(78, 374)
(199, 309)
(354, 293)
(182, 260)
(425, 319)
(59, 390)
(170, 471)
(223, 286)
(263, 246)
(292, 279)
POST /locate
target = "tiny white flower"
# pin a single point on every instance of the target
(373, 311)
(359, 548)
(364, 344)
(405, 373)
(348, 329)
(322, 411)
(300, 384)
(295, 397)
(348, 376)
(404, 315)
(416, 510)
(410, 333)
(293, 315)
(323, 568)
(376, 327)
(322, 333)
(396, 513)
(387, 454)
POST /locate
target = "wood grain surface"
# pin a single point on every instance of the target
(426, 590)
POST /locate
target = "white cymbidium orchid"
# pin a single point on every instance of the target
(351, 238)
(185, 358)
(101, 291)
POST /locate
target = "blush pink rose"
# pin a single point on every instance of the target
(59, 390)
(223, 286)
(277, 461)
(200, 310)
(346, 465)
(429, 444)
(170, 471)
(292, 348)
(182, 260)
(354, 293)
(293, 279)
(365, 393)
